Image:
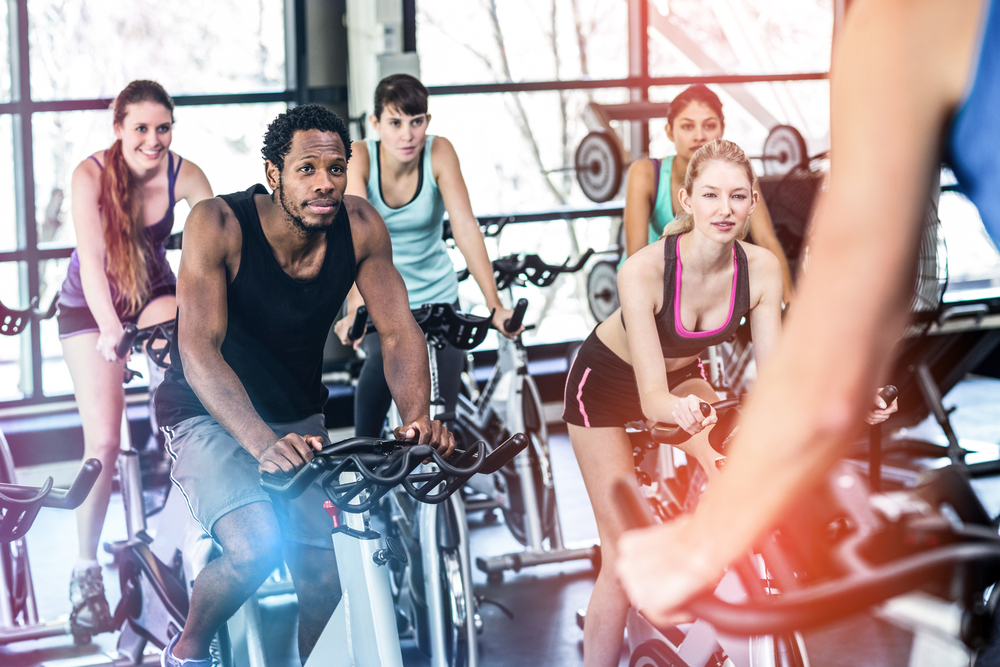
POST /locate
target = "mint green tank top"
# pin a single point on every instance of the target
(663, 207)
(415, 229)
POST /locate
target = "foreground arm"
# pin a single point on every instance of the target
(202, 318)
(404, 348)
(849, 311)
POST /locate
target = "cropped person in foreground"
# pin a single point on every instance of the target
(912, 83)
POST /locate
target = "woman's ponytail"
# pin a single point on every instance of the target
(125, 244)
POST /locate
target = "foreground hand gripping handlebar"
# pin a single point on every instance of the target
(888, 544)
(384, 464)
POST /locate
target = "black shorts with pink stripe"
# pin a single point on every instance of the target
(601, 390)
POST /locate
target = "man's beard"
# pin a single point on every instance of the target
(297, 221)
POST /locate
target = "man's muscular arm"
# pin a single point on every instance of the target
(211, 237)
(404, 349)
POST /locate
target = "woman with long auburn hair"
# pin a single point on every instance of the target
(123, 201)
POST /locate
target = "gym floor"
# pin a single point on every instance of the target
(543, 600)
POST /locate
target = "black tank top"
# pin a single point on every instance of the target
(677, 342)
(277, 325)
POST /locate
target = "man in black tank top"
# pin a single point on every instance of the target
(262, 278)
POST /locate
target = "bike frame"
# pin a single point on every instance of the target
(512, 366)
(427, 518)
(362, 631)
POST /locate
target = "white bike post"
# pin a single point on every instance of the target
(362, 631)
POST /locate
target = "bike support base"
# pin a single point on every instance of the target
(497, 565)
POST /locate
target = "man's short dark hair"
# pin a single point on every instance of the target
(278, 138)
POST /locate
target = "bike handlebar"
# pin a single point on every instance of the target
(436, 320)
(671, 434)
(360, 322)
(138, 340)
(128, 337)
(818, 604)
(521, 269)
(515, 321)
(13, 322)
(23, 502)
(384, 464)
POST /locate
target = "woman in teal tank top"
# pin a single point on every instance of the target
(694, 119)
(413, 178)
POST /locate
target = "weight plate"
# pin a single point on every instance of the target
(598, 167)
(784, 150)
(602, 290)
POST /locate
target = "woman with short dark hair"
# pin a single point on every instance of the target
(412, 178)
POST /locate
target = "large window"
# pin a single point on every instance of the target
(526, 70)
(230, 65)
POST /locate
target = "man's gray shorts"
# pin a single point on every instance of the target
(216, 476)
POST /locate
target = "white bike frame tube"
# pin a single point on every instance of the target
(431, 555)
(130, 479)
(427, 522)
(362, 631)
(466, 561)
(522, 463)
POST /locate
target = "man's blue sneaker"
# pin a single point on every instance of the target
(167, 659)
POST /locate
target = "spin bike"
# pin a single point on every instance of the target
(925, 558)
(156, 572)
(524, 490)
(668, 490)
(442, 619)
(19, 505)
(357, 474)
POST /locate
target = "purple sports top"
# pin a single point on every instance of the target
(160, 274)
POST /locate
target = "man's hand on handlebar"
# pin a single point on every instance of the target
(883, 411)
(687, 414)
(107, 341)
(288, 454)
(425, 431)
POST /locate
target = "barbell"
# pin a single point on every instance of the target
(600, 167)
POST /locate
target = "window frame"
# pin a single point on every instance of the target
(21, 109)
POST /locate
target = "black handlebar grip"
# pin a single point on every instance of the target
(358, 326)
(514, 323)
(77, 493)
(503, 454)
(131, 331)
(889, 394)
(631, 507)
(706, 409)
